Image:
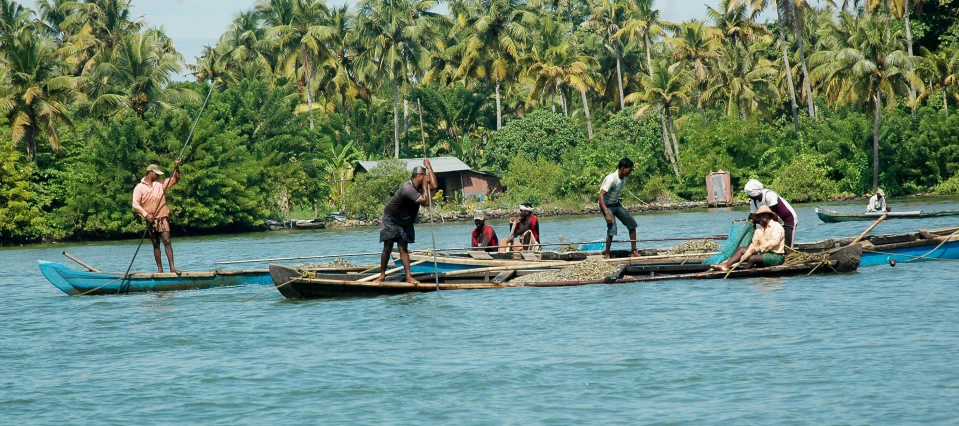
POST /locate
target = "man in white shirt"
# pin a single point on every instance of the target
(611, 206)
(878, 202)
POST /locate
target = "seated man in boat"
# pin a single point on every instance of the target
(526, 228)
(149, 201)
(768, 244)
(760, 196)
(483, 236)
(878, 202)
(399, 215)
(612, 208)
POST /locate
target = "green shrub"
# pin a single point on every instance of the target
(804, 179)
(370, 192)
(949, 187)
(533, 182)
(541, 134)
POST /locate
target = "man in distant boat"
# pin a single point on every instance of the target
(760, 196)
(399, 215)
(613, 209)
(483, 237)
(526, 228)
(149, 201)
(878, 202)
(767, 247)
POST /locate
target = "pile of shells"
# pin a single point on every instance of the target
(587, 270)
(697, 246)
(336, 263)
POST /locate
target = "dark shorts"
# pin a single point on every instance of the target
(161, 224)
(619, 212)
(790, 232)
(392, 231)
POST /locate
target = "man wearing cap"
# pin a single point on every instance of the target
(149, 201)
(768, 244)
(611, 207)
(526, 228)
(878, 202)
(399, 215)
(760, 196)
(483, 236)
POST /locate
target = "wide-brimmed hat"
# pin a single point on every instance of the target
(155, 169)
(753, 188)
(767, 210)
(479, 215)
(880, 192)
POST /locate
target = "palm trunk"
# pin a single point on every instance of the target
(562, 99)
(875, 141)
(31, 137)
(619, 79)
(406, 115)
(396, 120)
(309, 91)
(499, 109)
(787, 69)
(945, 102)
(666, 145)
(589, 122)
(807, 87)
(343, 191)
(672, 131)
(912, 86)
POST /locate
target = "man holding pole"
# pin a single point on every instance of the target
(611, 206)
(399, 215)
(149, 201)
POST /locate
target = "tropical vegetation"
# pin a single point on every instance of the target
(823, 100)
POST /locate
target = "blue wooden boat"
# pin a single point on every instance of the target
(906, 247)
(76, 283)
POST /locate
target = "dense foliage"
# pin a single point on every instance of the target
(820, 103)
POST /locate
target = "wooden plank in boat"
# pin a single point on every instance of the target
(504, 276)
(480, 254)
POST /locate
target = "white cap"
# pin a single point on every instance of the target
(753, 188)
(525, 207)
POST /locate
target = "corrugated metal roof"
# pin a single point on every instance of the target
(440, 164)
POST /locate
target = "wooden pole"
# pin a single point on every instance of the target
(432, 226)
(868, 230)
(73, 258)
(388, 272)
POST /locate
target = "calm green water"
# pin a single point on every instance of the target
(877, 347)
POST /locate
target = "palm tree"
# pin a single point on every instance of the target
(495, 34)
(246, 51)
(666, 89)
(745, 80)
(303, 40)
(866, 68)
(136, 78)
(396, 35)
(13, 18)
(734, 21)
(39, 87)
(608, 18)
(940, 71)
(347, 79)
(94, 28)
(52, 16)
(697, 46)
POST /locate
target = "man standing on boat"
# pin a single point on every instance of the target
(483, 237)
(613, 209)
(760, 196)
(878, 202)
(526, 228)
(149, 201)
(399, 215)
(767, 247)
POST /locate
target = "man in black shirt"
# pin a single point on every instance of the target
(399, 215)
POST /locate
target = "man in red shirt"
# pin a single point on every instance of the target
(483, 236)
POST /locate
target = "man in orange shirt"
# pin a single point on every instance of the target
(149, 201)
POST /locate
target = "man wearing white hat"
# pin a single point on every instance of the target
(878, 202)
(526, 228)
(483, 236)
(760, 196)
(149, 201)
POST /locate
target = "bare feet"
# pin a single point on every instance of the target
(411, 280)
(723, 268)
(634, 254)
(606, 255)
(380, 279)
(176, 271)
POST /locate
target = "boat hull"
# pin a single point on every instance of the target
(832, 216)
(928, 250)
(77, 283)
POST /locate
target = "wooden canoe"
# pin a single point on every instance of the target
(296, 284)
(460, 262)
(880, 249)
(76, 283)
(832, 216)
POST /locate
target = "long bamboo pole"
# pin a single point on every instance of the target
(432, 225)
